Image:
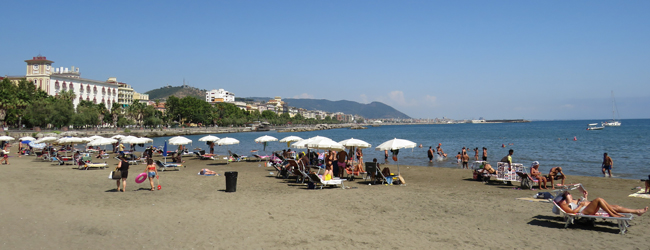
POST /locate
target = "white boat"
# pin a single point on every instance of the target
(594, 126)
(613, 122)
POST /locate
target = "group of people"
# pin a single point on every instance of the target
(150, 170)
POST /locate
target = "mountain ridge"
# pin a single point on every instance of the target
(373, 110)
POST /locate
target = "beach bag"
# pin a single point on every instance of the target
(526, 183)
(116, 175)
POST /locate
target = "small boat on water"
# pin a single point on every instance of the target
(613, 122)
(594, 126)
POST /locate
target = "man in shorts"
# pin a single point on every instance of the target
(555, 174)
(607, 164)
(508, 159)
(430, 154)
(465, 160)
(484, 154)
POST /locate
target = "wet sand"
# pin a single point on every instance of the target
(46, 206)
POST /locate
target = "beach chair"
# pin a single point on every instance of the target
(318, 181)
(165, 166)
(237, 157)
(261, 157)
(88, 165)
(203, 156)
(570, 218)
(388, 179)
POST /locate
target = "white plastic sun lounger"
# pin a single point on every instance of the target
(318, 181)
(569, 218)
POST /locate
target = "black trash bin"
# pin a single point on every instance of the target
(231, 181)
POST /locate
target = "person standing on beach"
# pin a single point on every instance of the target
(211, 147)
(385, 155)
(608, 164)
(123, 166)
(341, 159)
(458, 157)
(476, 154)
(508, 158)
(465, 160)
(484, 153)
(429, 154)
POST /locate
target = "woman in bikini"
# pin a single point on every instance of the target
(591, 207)
(151, 171)
(359, 167)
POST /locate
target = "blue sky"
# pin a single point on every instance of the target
(458, 59)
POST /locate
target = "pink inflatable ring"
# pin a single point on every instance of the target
(140, 178)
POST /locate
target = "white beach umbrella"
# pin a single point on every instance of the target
(136, 140)
(102, 141)
(396, 144)
(27, 138)
(227, 141)
(179, 140)
(117, 137)
(349, 143)
(86, 139)
(326, 144)
(303, 143)
(291, 138)
(37, 145)
(95, 137)
(6, 138)
(46, 139)
(265, 138)
(69, 140)
(207, 138)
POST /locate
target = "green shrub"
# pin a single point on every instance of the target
(127, 130)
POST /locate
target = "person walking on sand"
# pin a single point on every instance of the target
(5, 156)
(608, 164)
(123, 166)
(151, 171)
(429, 154)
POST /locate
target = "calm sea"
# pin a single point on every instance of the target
(549, 142)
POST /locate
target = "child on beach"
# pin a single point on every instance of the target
(151, 171)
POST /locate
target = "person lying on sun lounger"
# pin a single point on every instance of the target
(488, 169)
(591, 207)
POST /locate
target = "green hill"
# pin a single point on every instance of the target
(373, 110)
(179, 91)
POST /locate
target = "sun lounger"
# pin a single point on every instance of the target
(318, 181)
(204, 156)
(88, 165)
(237, 157)
(569, 218)
(261, 157)
(165, 166)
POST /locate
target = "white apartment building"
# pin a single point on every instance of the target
(54, 80)
(219, 95)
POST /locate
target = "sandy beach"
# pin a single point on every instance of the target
(46, 206)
